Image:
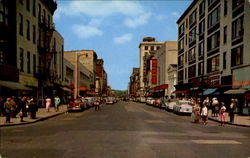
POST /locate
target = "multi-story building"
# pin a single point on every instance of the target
(134, 82)
(172, 79)
(84, 77)
(101, 77)
(147, 47)
(161, 60)
(36, 58)
(213, 46)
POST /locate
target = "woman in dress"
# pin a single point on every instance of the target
(48, 103)
(222, 117)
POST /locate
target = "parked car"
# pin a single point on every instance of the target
(150, 101)
(183, 107)
(157, 102)
(170, 105)
(163, 102)
(76, 105)
(142, 99)
(110, 100)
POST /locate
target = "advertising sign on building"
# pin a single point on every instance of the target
(241, 78)
(154, 71)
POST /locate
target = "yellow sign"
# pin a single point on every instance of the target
(28, 80)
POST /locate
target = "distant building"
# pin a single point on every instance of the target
(101, 78)
(147, 47)
(134, 83)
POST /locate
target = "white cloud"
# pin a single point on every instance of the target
(124, 38)
(85, 31)
(161, 17)
(176, 14)
(137, 21)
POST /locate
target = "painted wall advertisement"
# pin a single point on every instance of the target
(241, 78)
(154, 71)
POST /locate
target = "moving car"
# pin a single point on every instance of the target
(183, 107)
(150, 101)
(76, 105)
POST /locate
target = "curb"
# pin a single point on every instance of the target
(229, 123)
(34, 121)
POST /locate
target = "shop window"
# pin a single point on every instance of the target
(237, 56)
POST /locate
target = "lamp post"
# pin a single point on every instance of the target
(78, 55)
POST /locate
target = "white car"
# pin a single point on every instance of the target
(170, 106)
(142, 99)
(150, 101)
(183, 107)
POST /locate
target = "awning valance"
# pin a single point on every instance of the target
(235, 91)
(65, 89)
(209, 91)
(14, 85)
(183, 91)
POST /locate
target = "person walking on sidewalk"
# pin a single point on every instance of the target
(33, 108)
(195, 113)
(22, 109)
(48, 103)
(231, 110)
(8, 107)
(222, 117)
(204, 114)
(57, 102)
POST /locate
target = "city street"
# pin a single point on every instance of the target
(124, 130)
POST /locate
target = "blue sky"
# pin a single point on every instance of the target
(114, 30)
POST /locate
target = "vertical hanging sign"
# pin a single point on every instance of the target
(154, 71)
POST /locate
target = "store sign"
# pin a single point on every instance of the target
(154, 71)
(241, 78)
(214, 80)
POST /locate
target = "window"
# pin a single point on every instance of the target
(213, 64)
(225, 35)
(1, 56)
(48, 20)
(191, 54)
(237, 28)
(192, 18)
(181, 44)
(236, 3)
(186, 40)
(34, 63)
(34, 33)
(202, 27)
(213, 41)
(181, 60)
(44, 16)
(225, 7)
(158, 47)
(152, 48)
(146, 47)
(180, 75)
(200, 68)
(211, 2)
(237, 56)
(21, 1)
(202, 7)
(224, 60)
(21, 59)
(201, 49)
(28, 5)
(20, 21)
(181, 29)
(28, 62)
(28, 30)
(39, 12)
(192, 35)
(191, 71)
(214, 17)
(4, 13)
(34, 8)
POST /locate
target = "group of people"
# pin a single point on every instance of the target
(13, 106)
(200, 110)
(48, 103)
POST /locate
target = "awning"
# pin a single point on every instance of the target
(209, 91)
(83, 88)
(235, 91)
(14, 85)
(65, 89)
(183, 91)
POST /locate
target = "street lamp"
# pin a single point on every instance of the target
(78, 55)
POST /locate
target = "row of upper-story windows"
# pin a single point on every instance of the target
(28, 5)
(26, 58)
(27, 27)
(152, 47)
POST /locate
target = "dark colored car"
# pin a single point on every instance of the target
(76, 105)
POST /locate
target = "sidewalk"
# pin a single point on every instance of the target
(41, 115)
(239, 120)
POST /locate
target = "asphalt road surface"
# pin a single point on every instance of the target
(124, 130)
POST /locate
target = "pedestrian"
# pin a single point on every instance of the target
(57, 102)
(33, 108)
(14, 107)
(97, 105)
(207, 103)
(8, 108)
(222, 117)
(195, 116)
(48, 103)
(22, 111)
(204, 114)
(2, 111)
(232, 107)
(215, 107)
